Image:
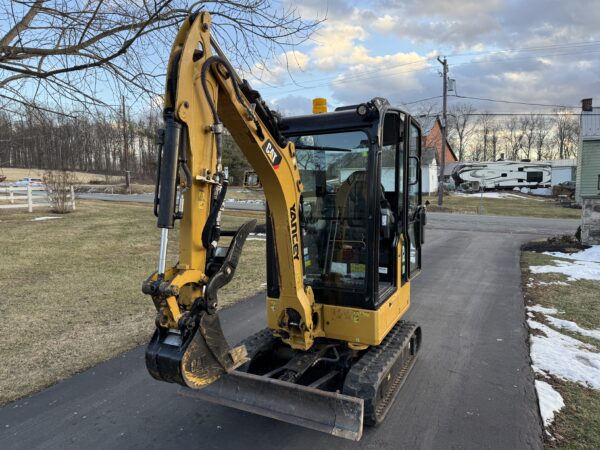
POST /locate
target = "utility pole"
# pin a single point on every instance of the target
(443, 162)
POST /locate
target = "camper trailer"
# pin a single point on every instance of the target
(503, 174)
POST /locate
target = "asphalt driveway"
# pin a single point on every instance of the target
(472, 387)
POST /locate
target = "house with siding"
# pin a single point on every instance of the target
(429, 171)
(562, 170)
(588, 156)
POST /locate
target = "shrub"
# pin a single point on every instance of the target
(58, 185)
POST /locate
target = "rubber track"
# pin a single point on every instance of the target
(254, 343)
(366, 375)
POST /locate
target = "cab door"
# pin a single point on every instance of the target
(415, 213)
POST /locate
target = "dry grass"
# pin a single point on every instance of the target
(578, 300)
(71, 293)
(577, 425)
(13, 174)
(526, 206)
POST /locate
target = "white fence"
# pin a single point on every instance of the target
(28, 197)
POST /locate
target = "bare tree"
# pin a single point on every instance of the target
(513, 138)
(494, 137)
(572, 138)
(485, 129)
(60, 53)
(541, 134)
(428, 109)
(529, 125)
(461, 126)
(566, 130)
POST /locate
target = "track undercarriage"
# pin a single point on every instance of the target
(330, 388)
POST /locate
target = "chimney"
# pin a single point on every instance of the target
(586, 104)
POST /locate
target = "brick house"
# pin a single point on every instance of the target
(432, 138)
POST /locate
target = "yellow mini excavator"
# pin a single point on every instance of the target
(344, 226)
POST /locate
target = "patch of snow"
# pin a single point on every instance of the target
(38, 219)
(539, 371)
(233, 200)
(589, 254)
(572, 326)
(552, 283)
(547, 283)
(576, 270)
(541, 309)
(564, 357)
(546, 192)
(490, 195)
(550, 401)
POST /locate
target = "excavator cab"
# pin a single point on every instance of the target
(361, 220)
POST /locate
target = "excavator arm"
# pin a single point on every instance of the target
(204, 96)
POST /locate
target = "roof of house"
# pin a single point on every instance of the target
(561, 162)
(428, 156)
(427, 123)
(590, 124)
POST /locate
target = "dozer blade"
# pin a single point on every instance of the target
(328, 412)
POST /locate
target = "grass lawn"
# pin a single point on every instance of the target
(71, 289)
(577, 425)
(512, 206)
(15, 174)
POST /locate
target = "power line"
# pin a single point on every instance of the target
(346, 79)
(422, 100)
(367, 75)
(527, 49)
(533, 113)
(363, 75)
(514, 102)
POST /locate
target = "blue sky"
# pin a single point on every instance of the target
(537, 51)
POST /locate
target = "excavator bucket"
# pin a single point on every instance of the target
(199, 356)
(208, 355)
(328, 412)
(196, 362)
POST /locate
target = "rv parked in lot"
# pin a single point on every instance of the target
(504, 174)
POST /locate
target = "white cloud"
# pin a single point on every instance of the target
(335, 45)
(291, 105)
(386, 23)
(280, 68)
(349, 45)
